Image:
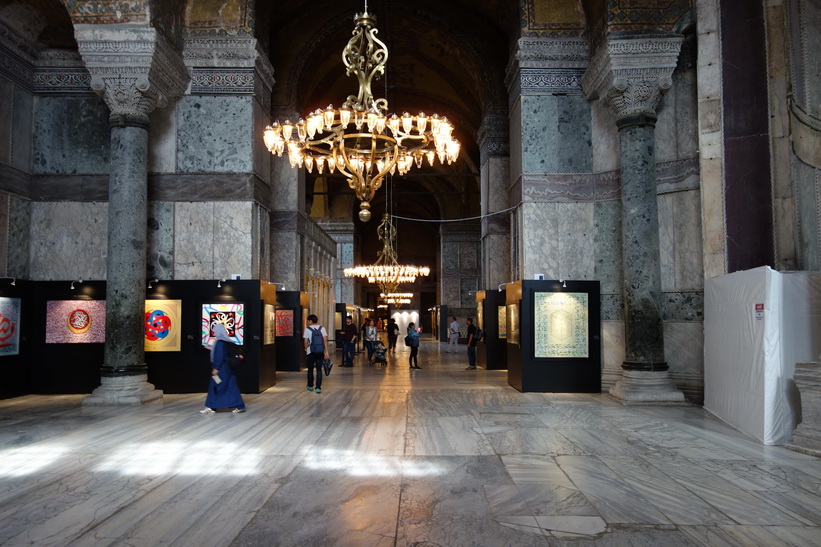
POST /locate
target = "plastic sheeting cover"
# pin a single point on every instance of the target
(757, 325)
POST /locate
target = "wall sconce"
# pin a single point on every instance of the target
(13, 280)
(73, 282)
(219, 283)
(152, 281)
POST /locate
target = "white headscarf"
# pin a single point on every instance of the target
(220, 333)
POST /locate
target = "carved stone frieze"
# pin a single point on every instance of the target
(221, 65)
(547, 66)
(134, 75)
(632, 72)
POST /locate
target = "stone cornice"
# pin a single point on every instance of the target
(547, 53)
(631, 72)
(134, 71)
(229, 53)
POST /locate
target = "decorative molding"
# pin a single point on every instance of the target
(133, 76)
(632, 71)
(238, 58)
(551, 81)
(237, 81)
(672, 176)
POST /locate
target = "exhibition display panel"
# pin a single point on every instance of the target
(552, 330)
(491, 317)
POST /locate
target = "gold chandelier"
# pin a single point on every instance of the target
(386, 272)
(360, 139)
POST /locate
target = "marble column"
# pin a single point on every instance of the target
(631, 73)
(133, 77)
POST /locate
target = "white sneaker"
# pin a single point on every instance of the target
(207, 410)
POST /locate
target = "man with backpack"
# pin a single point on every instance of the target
(316, 347)
(473, 338)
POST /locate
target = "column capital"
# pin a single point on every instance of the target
(631, 71)
(494, 137)
(134, 71)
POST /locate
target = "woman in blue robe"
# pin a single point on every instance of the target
(223, 391)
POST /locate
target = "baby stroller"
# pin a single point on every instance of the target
(378, 358)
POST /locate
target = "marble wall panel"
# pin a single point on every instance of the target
(497, 260)
(558, 240)
(6, 113)
(680, 243)
(215, 134)
(4, 232)
(71, 136)
(676, 127)
(497, 171)
(451, 291)
(285, 186)
(68, 240)
(607, 267)
(450, 255)
(160, 234)
(261, 155)
(683, 306)
(613, 353)
(22, 132)
(684, 353)
(516, 157)
(346, 255)
(467, 292)
(162, 139)
(556, 134)
(604, 138)
(468, 255)
(285, 259)
(612, 306)
(19, 238)
(808, 194)
(213, 240)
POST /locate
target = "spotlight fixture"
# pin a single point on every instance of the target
(78, 281)
(277, 283)
(220, 282)
(152, 281)
(13, 280)
(563, 282)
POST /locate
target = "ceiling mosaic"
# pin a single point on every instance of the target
(551, 18)
(219, 18)
(101, 12)
(626, 15)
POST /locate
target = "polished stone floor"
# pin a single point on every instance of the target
(389, 456)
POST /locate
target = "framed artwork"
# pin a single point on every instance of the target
(9, 326)
(560, 328)
(231, 315)
(75, 321)
(163, 325)
(269, 321)
(513, 323)
(502, 315)
(285, 322)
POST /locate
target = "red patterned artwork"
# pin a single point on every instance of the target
(285, 322)
(75, 321)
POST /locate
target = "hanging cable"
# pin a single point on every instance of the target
(458, 219)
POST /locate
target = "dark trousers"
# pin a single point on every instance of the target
(412, 359)
(347, 353)
(315, 362)
(369, 347)
(392, 341)
(472, 356)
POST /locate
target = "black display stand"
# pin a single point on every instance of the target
(291, 349)
(75, 368)
(442, 323)
(491, 350)
(526, 371)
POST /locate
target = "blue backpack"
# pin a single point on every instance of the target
(317, 341)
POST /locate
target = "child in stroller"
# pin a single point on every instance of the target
(378, 357)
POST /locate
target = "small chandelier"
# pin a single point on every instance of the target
(386, 272)
(360, 139)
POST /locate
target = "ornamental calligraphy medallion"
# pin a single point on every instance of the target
(79, 321)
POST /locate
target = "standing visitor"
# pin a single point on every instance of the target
(414, 336)
(371, 336)
(349, 342)
(316, 347)
(393, 334)
(223, 391)
(471, 344)
(454, 331)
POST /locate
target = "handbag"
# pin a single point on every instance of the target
(327, 365)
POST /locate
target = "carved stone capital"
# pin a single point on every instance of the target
(494, 136)
(630, 72)
(134, 71)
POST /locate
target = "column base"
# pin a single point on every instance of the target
(642, 387)
(806, 440)
(123, 391)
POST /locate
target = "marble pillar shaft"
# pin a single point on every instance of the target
(644, 338)
(127, 213)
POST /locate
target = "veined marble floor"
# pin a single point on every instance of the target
(439, 456)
